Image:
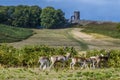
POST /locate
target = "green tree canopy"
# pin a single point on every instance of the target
(20, 16)
(51, 18)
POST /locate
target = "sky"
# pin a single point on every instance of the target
(101, 10)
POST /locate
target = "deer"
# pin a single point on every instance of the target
(96, 60)
(44, 62)
(59, 58)
(105, 58)
(81, 60)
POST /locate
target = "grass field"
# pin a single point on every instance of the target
(105, 34)
(107, 29)
(12, 34)
(63, 74)
(60, 38)
(52, 37)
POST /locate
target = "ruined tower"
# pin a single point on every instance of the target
(76, 17)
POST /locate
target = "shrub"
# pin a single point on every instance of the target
(114, 60)
(28, 56)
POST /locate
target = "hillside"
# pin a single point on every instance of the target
(75, 37)
(52, 37)
(13, 34)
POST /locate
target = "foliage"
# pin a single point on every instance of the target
(31, 16)
(118, 27)
(51, 18)
(113, 61)
(20, 16)
(28, 56)
(12, 34)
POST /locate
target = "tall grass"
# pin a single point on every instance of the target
(12, 34)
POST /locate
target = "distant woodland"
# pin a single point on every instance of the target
(31, 16)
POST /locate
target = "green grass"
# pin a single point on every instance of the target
(65, 74)
(12, 34)
(107, 29)
(53, 38)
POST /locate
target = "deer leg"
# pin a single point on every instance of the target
(52, 65)
(93, 65)
(41, 66)
(83, 65)
(44, 67)
(87, 66)
(63, 64)
(47, 64)
(72, 65)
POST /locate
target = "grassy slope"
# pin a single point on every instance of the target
(107, 29)
(52, 37)
(66, 74)
(12, 34)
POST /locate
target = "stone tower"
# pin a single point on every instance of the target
(76, 17)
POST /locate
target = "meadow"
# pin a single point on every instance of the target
(19, 60)
(63, 74)
(13, 34)
(107, 29)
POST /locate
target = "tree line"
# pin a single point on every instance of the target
(31, 16)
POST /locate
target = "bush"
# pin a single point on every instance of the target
(114, 60)
(118, 27)
(28, 56)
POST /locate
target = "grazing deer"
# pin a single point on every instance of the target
(59, 58)
(44, 62)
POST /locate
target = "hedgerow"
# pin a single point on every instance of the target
(28, 56)
(114, 59)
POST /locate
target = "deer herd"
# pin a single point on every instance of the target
(91, 62)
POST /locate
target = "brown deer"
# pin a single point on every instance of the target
(105, 58)
(94, 60)
(59, 58)
(81, 60)
(44, 62)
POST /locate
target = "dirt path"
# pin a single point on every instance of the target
(96, 41)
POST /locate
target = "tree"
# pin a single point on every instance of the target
(51, 18)
(3, 14)
(34, 16)
(20, 16)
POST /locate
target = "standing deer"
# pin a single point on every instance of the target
(61, 58)
(105, 58)
(80, 60)
(44, 62)
(96, 60)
